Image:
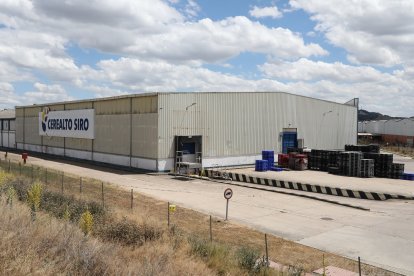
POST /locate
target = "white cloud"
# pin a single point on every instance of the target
(308, 70)
(8, 97)
(138, 75)
(165, 50)
(389, 93)
(372, 31)
(272, 12)
(46, 93)
(152, 29)
(214, 41)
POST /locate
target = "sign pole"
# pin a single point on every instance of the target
(227, 208)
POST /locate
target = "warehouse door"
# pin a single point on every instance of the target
(188, 148)
(289, 139)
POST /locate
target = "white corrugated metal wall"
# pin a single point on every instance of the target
(234, 124)
(403, 127)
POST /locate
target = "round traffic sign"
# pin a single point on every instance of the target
(228, 193)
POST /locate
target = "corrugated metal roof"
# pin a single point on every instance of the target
(7, 114)
(164, 93)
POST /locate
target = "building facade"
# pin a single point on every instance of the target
(7, 129)
(396, 131)
(150, 131)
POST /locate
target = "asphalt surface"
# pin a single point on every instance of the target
(382, 236)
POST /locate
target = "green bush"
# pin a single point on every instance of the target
(199, 247)
(128, 233)
(34, 196)
(58, 205)
(86, 222)
(247, 258)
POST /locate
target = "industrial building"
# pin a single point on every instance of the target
(7, 128)
(395, 131)
(156, 131)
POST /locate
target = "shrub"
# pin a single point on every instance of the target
(34, 196)
(4, 177)
(11, 194)
(216, 255)
(57, 205)
(129, 233)
(199, 247)
(86, 222)
(247, 258)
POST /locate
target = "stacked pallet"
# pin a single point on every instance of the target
(323, 159)
(397, 171)
(382, 163)
(372, 148)
(367, 168)
(350, 163)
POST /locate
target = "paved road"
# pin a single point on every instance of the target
(382, 237)
(379, 185)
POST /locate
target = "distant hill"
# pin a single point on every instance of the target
(364, 115)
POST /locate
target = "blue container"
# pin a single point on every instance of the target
(408, 176)
(269, 155)
(276, 169)
(261, 165)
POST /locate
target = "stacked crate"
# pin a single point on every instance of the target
(350, 163)
(372, 148)
(383, 165)
(367, 168)
(397, 171)
(314, 160)
(323, 159)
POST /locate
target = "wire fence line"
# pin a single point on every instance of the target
(109, 196)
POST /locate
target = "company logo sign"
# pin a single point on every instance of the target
(70, 123)
(44, 118)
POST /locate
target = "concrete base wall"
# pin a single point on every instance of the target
(143, 163)
(211, 162)
(119, 160)
(137, 162)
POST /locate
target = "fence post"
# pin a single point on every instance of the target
(80, 185)
(103, 199)
(32, 174)
(46, 176)
(359, 266)
(132, 199)
(9, 166)
(63, 175)
(267, 251)
(168, 214)
(211, 231)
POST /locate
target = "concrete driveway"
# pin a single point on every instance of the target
(382, 236)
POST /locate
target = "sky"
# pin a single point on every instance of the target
(58, 50)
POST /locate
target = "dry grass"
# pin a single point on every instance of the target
(172, 254)
(405, 151)
(49, 246)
